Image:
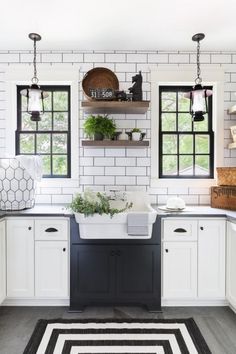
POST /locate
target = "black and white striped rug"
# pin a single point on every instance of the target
(117, 337)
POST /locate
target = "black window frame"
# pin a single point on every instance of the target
(19, 131)
(209, 132)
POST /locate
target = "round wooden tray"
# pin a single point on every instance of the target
(99, 78)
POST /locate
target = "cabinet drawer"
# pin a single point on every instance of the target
(180, 229)
(51, 229)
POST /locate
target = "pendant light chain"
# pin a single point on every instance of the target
(35, 79)
(198, 80)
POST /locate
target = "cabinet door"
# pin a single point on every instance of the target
(2, 262)
(179, 270)
(20, 258)
(91, 274)
(231, 264)
(211, 259)
(51, 269)
(138, 272)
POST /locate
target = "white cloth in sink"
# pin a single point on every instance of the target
(137, 224)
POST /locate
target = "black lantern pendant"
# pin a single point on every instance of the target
(198, 96)
(35, 96)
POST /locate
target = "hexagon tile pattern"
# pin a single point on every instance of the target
(17, 188)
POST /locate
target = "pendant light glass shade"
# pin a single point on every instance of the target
(35, 96)
(198, 95)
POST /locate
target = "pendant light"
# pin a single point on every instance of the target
(35, 96)
(198, 95)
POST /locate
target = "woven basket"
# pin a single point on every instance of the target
(102, 78)
(226, 176)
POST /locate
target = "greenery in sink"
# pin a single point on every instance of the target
(90, 203)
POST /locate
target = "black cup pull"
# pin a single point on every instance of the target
(64, 249)
(29, 228)
(180, 230)
(51, 229)
(166, 250)
(201, 228)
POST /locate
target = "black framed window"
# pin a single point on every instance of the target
(186, 148)
(49, 137)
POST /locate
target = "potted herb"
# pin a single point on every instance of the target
(136, 134)
(99, 127)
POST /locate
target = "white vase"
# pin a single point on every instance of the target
(136, 136)
(233, 132)
(123, 136)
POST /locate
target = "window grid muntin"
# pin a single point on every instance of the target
(19, 130)
(209, 132)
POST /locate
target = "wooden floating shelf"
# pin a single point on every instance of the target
(232, 146)
(129, 107)
(115, 143)
(232, 110)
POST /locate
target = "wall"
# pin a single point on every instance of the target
(126, 169)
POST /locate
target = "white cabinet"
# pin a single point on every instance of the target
(179, 270)
(20, 258)
(211, 258)
(193, 254)
(2, 261)
(51, 269)
(231, 264)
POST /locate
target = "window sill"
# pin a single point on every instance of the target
(59, 182)
(175, 182)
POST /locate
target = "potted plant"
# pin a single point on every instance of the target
(99, 127)
(136, 134)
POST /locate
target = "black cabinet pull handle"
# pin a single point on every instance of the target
(29, 228)
(64, 249)
(201, 228)
(51, 229)
(180, 230)
(166, 250)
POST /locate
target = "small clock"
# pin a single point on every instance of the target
(101, 93)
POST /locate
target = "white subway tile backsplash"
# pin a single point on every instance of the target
(104, 180)
(99, 58)
(93, 171)
(115, 171)
(104, 161)
(125, 180)
(124, 168)
(125, 161)
(136, 171)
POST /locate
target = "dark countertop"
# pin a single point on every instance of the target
(39, 210)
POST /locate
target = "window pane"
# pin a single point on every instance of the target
(60, 101)
(59, 164)
(186, 165)
(59, 143)
(46, 122)
(169, 165)
(27, 123)
(202, 126)
(43, 143)
(168, 121)
(185, 144)
(48, 101)
(202, 144)
(201, 165)
(60, 121)
(184, 122)
(23, 104)
(46, 164)
(169, 144)
(168, 101)
(183, 102)
(27, 143)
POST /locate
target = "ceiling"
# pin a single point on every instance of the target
(120, 24)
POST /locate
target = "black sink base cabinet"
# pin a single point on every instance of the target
(115, 272)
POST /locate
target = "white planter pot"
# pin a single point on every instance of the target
(136, 136)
